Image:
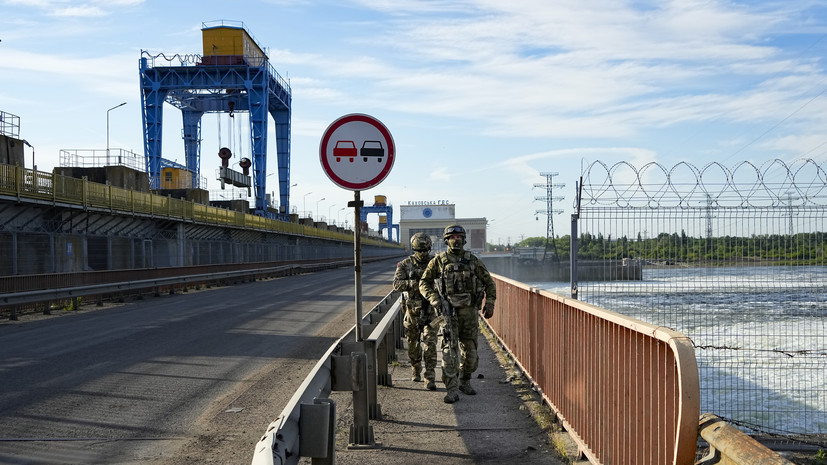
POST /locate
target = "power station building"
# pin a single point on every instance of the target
(431, 218)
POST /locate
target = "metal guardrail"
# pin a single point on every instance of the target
(626, 391)
(10, 301)
(43, 295)
(730, 446)
(306, 426)
(40, 187)
(43, 281)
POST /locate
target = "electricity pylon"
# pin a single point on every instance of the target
(549, 212)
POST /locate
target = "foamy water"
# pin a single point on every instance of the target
(760, 333)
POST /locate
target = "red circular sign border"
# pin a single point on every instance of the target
(365, 119)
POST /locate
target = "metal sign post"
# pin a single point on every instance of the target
(357, 259)
(357, 152)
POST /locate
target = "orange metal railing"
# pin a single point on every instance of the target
(626, 391)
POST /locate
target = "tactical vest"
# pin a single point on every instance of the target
(460, 279)
(414, 270)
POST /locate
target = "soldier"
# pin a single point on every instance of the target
(456, 282)
(418, 311)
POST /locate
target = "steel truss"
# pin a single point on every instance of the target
(195, 89)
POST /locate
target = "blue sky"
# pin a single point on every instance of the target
(481, 96)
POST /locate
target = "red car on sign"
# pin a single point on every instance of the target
(345, 149)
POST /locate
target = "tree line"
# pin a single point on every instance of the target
(802, 248)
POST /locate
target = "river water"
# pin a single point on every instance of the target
(760, 335)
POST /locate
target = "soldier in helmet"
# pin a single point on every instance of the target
(418, 311)
(458, 279)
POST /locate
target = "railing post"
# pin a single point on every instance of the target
(352, 375)
(18, 180)
(367, 399)
(85, 193)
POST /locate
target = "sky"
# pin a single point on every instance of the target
(480, 96)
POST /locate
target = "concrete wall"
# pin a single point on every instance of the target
(530, 271)
(38, 253)
(118, 176)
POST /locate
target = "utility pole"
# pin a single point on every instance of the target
(550, 211)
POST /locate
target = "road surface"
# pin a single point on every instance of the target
(189, 378)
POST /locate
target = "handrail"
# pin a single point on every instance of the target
(196, 59)
(625, 390)
(282, 442)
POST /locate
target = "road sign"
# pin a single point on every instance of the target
(357, 152)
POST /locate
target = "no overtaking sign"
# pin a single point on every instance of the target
(357, 152)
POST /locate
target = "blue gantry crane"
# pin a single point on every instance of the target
(234, 74)
(380, 206)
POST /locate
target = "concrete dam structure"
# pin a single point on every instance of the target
(532, 270)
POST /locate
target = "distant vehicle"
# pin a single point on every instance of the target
(345, 149)
(372, 148)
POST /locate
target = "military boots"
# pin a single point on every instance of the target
(451, 397)
(465, 387)
(416, 371)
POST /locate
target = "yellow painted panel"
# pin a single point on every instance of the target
(219, 41)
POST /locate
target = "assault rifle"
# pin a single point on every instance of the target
(445, 313)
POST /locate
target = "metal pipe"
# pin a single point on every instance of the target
(730, 446)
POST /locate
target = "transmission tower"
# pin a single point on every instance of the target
(550, 211)
(790, 212)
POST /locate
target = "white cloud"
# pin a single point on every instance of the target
(441, 174)
(83, 11)
(540, 70)
(68, 8)
(94, 70)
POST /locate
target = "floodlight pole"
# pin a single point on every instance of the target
(107, 129)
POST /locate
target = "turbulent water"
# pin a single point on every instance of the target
(760, 335)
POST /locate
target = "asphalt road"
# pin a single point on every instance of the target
(190, 378)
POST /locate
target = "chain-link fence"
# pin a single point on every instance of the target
(733, 257)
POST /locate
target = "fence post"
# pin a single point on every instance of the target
(361, 432)
(366, 400)
(573, 256)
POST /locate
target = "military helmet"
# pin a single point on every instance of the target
(453, 229)
(421, 242)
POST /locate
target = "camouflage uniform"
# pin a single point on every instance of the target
(466, 283)
(418, 315)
